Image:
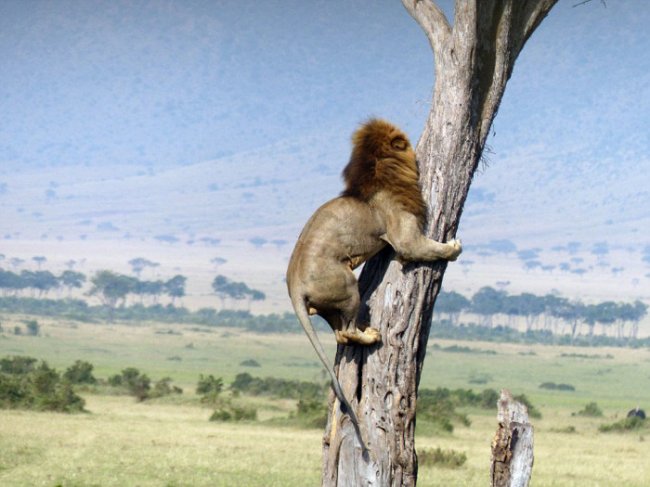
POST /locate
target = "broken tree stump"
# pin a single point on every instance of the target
(512, 447)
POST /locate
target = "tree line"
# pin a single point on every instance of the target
(550, 312)
(113, 289)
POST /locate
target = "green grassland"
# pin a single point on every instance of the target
(170, 442)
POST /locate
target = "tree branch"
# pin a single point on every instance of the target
(432, 20)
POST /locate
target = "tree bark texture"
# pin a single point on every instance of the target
(473, 61)
(512, 447)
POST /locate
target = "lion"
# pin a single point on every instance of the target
(381, 205)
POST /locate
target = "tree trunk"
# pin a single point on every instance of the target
(512, 447)
(474, 60)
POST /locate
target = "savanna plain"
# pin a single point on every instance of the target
(170, 441)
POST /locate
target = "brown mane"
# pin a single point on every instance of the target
(376, 165)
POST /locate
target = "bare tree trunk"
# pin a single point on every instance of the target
(474, 60)
(512, 447)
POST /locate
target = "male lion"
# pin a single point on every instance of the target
(382, 205)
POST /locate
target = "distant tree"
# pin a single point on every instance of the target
(70, 264)
(81, 372)
(16, 262)
(225, 288)
(9, 282)
(452, 303)
(72, 280)
(257, 241)
(140, 263)
(40, 260)
(488, 302)
(40, 281)
(111, 288)
(149, 288)
(218, 261)
(175, 287)
(33, 328)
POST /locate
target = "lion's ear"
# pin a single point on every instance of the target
(398, 143)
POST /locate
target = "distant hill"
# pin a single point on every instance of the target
(195, 129)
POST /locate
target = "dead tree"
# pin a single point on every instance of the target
(474, 58)
(512, 447)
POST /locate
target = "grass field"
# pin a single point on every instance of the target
(170, 442)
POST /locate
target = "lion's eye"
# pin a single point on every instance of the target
(399, 143)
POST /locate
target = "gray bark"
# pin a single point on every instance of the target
(512, 447)
(473, 61)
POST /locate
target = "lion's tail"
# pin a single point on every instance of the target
(300, 307)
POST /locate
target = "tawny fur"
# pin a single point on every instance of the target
(364, 176)
(381, 205)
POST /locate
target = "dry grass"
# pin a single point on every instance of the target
(172, 443)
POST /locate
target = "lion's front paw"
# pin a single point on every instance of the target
(455, 248)
(373, 335)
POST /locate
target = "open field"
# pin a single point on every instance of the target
(170, 442)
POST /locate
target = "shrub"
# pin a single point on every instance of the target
(556, 387)
(136, 383)
(270, 386)
(80, 372)
(209, 388)
(441, 458)
(17, 364)
(33, 328)
(25, 386)
(311, 413)
(625, 424)
(250, 363)
(591, 410)
(164, 388)
(228, 412)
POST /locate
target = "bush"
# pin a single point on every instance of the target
(311, 413)
(591, 410)
(625, 424)
(80, 372)
(17, 364)
(33, 328)
(441, 458)
(40, 388)
(131, 379)
(164, 388)
(209, 388)
(228, 412)
(556, 387)
(282, 388)
(250, 363)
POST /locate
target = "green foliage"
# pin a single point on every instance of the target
(17, 365)
(228, 412)
(552, 386)
(439, 405)
(81, 372)
(311, 413)
(270, 386)
(25, 385)
(209, 388)
(461, 349)
(163, 387)
(225, 288)
(133, 381)
(250, 363)
(625, 424)
(441, 458)
(33, 328)
(591, 410)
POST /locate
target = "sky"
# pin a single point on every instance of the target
(232, 118)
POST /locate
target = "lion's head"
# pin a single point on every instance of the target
(383, 159)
